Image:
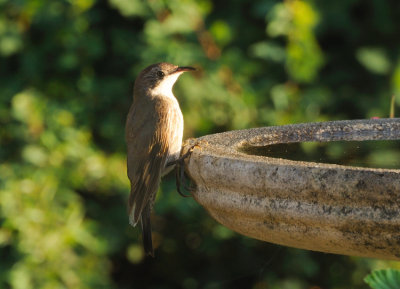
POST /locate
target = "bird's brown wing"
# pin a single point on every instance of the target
(147, 153)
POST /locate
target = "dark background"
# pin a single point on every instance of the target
(66, 75)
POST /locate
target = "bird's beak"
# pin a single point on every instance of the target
(183, 69)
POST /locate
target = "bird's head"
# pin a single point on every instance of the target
(159, 78)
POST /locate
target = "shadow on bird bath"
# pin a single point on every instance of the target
(267, 184)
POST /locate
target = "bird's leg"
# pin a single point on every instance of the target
(180, 169)
(180, 177)
(182, 158)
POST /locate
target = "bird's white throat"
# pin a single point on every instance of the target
(165, 86)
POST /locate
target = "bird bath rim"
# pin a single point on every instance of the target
(316, 206)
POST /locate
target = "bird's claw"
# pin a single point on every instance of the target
(180, 178)
(180, 171)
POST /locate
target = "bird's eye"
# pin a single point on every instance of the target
(160, 74)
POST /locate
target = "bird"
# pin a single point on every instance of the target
(153, 133)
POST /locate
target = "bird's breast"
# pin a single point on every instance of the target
(175, 129)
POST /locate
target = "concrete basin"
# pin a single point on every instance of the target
(316, 206)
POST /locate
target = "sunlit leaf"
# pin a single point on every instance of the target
(384, 279)
(268, 51)
(374, 59)
(221, 32)
(130, 7)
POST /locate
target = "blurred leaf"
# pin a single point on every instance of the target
(10, 37)
(221, 32)
(384, 279)
(129, 7)
(296, 20)
(268, 51)
(280, 20)
(35, 155)
(135, 254)
(82, 5)
(373, 59)
(221, 232)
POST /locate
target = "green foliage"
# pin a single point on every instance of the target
(296, 20)
(66, 75)
(374, 60)
(384, 279)
(43, 216)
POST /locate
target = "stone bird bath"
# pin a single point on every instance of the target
(316, 206)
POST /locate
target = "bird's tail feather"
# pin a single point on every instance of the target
(146, 232)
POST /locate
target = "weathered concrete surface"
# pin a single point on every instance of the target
(315, 206)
